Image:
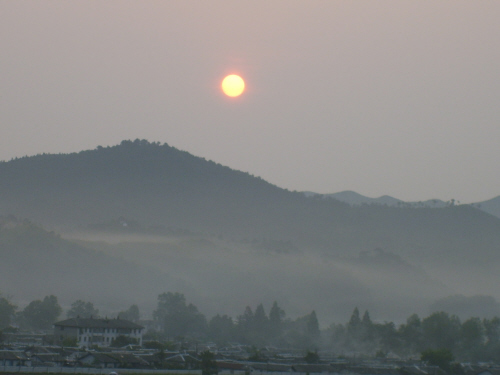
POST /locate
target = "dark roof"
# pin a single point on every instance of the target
(228, 365)
(49, 357)
(315, 368)
(100, 357)
(182, 358)
(9, 355)
(271, 367)
(98, 323)
(127, 358)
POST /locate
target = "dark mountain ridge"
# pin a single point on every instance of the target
(491, 206)
(159, 185)
(182, 223)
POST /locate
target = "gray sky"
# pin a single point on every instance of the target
(380, 97)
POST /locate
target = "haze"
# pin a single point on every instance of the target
(384, 97)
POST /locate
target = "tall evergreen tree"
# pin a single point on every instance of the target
(260, 320)
(366, 319)
(245, 321)
(276, 316)
(354, 323)
(313, 325)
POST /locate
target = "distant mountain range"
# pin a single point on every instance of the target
(491, 206)
(140, 218)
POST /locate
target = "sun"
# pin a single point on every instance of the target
(233, 85)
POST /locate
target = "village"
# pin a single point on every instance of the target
(95, 354)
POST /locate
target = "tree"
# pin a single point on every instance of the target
(260, 319)
(176, 318)
(40, 315)
(386, 335)
(354, 322)
(276, 316)
(366, 318)
(82, 309)
(411, 334)
(441, 330)
(313, 326)
(492, 335)
(311, 357)
(132, 314)
(438, 357)
(122, 341)
(246, 320)
(244, 325)
(221, 329)
(70, 341)
(492, 330)
(208, 363)
(7, 311)
(472, 339)
(366, 327)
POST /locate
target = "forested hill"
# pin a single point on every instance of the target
(158, 185)
(37, 263)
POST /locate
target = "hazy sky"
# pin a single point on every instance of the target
(380, 97)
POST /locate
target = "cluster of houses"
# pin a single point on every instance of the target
(94, 349)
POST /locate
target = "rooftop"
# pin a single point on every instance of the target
(98, 323)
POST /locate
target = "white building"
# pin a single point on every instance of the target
(100, 332)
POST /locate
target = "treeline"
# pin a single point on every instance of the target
(176, 320)
(474, 339)
(40, 315)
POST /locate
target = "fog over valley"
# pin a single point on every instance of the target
(120, 225)
(220, 186)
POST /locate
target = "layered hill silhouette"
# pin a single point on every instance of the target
(227, 233)
(491, 206)
(158, 185)
(36, 263)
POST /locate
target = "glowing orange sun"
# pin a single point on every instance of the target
(233, 85)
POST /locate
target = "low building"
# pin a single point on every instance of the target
(13, 358)
(48, 360)
(101, 332)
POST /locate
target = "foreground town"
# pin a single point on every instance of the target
(95, 348)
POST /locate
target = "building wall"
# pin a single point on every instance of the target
(86, 337)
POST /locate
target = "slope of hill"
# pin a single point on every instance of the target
(492, 206)
(142, 188)
(355, 199)
(160, 185)
(36, 263)
(116, 270)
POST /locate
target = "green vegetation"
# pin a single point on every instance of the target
(7, 310)
(439, 338)
(438, 357)
(159, 188)
(208, 363)
(261, 240)
(41, 314)
(132, 314)
(82, 309)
